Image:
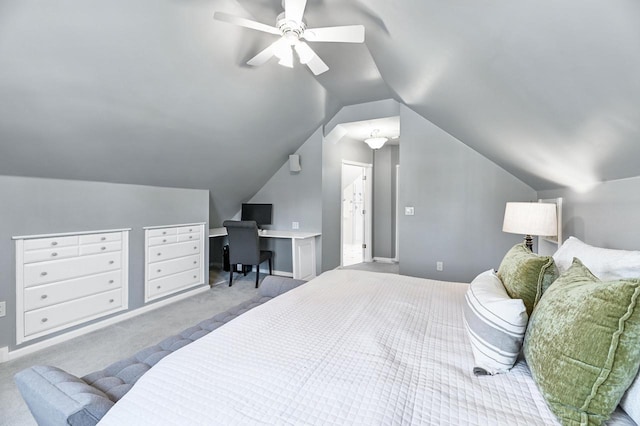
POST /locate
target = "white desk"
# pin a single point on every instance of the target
(303, 249)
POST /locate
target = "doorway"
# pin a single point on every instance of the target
(355, 229)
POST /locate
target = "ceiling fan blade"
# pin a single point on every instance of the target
(311, 58)
(343, 34)
(286, 59)
(294, 9)
(263, 56)
(247, 23)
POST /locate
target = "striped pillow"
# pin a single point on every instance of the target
(495, 323)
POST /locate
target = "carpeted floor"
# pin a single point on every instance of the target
(100, 348)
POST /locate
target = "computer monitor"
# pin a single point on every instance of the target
(261, 213)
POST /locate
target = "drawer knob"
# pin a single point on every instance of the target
(195, 276)
(195, 262)
(44, 296)
(159, 287)
(111, 300)
(159, 254)
(190, 237)
(164, 232)
(159, 270)
(43, 274)
(103, 248)
(103, 238)
(54, 243)
(111, 262)
(195, 247)
(110, 281)
(164, 241)
(54, 254)
(190, 229)
(44, 320)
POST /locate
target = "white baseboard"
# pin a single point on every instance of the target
(384, 260)
(5, 355)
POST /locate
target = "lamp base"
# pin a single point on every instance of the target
(528, 241)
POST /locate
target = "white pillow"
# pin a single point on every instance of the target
(630, 402)
(495, 324)
(606, 264)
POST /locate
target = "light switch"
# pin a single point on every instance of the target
(408, 211)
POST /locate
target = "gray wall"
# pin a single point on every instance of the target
(459, 198)
(296, 197)
(607, 215)
(384, 201)
(332, 156)
(32, 206)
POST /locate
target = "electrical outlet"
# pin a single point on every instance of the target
(3, 309)
(439, 265)
(295, 225)
(409, 211)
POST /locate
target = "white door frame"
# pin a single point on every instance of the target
(368, 209)
(397, 257)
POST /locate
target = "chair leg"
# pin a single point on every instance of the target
(257, 274)
(230, 276)
(270, 267)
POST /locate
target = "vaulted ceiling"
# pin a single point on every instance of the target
(156, 92)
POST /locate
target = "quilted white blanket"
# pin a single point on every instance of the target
(349, 347)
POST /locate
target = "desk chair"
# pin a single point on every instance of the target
(244, 246)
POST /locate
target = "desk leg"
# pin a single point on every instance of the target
(303, 252)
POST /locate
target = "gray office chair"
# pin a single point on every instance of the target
(244, 246)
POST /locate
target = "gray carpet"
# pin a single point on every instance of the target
(389, 268)
(100, 348)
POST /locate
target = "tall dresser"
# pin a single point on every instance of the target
(68, 279)
(174, 259)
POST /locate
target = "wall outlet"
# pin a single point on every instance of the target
(3, 309)
(295, 225)
(439, 265)
(409, 211)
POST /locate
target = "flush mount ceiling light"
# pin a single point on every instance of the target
(375, 141)
(293, 32)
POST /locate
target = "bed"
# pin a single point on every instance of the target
(349, 347)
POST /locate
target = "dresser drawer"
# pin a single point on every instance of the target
(171, 283)
(100, 238)
(188, 237)
(100, 248)
(165, 239)
(63, 291)
(172, 251)
(173, 266)
(53, 242)
(32, 256)
(189, 229)
(72, 312)
(161, 232)
(60, 270)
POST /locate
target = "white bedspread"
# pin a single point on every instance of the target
(350, 347)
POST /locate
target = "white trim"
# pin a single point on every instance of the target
(62, 234)
(384, 260)
(173, 226)
(17, 353)
(397, 258)
(4, 354)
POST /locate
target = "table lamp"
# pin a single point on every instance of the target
(530, 219)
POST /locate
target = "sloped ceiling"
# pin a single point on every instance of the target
(156, 92)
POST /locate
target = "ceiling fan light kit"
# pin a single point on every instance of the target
(293, 31)
(375, 141)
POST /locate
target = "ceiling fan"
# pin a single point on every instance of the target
(293, 32)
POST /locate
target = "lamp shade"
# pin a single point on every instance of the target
(531, 219)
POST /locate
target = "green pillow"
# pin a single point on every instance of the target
(525, 275)
(583, 344)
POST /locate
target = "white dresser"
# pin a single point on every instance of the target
(67, 279)
(174, 259)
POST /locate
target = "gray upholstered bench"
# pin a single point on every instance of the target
(56, 397)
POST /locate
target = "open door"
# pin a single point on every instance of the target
(355, 213)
